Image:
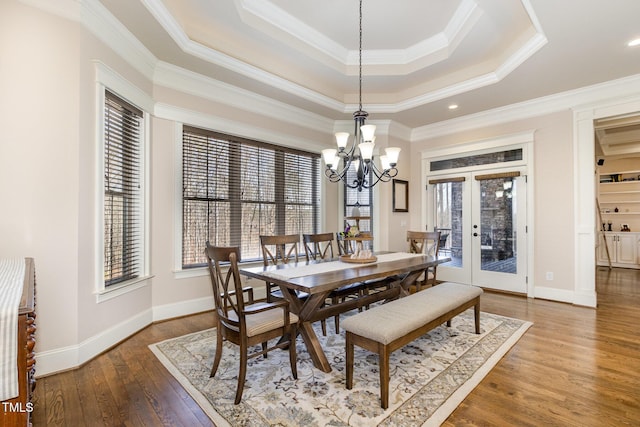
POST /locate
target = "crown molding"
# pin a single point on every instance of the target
(464, 18)
(243, 129)
(269, 18)
(99, 21)
(173, 77)
(569, 100)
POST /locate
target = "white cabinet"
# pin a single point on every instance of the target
(623, 249)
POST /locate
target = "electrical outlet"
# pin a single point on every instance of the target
(549, 275)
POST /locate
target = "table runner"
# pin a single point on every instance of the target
(324, 267)
(11, 283)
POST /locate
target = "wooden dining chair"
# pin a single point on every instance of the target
(318, 246)
(242, 322)
(344, 246)
(282, 249)
(425, 242)
(278, 249)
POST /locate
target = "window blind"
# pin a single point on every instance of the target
(363, 200)
(235, 190)
(122, 204)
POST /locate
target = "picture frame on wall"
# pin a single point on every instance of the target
(400, 195)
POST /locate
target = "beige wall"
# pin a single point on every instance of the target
(48, 102)
(553, 189)
(39, 164)
(48, 184)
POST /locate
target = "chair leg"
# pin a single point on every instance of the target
(293, 358)
(336, 321)
(218, 355)
(242, 373)
(349, 360)
(323, 325)
(264, 349)
(383, 351)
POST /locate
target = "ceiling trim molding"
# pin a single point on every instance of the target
(96, 19)
(102, 24)
(232, 127)
(268, 18)
(160, 12)
(575, 99)
(180, 79)
(468, 14)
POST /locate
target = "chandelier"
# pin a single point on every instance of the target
(359, 155)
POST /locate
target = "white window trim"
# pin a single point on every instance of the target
(107, 78)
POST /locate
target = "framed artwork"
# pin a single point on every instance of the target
(400, 195)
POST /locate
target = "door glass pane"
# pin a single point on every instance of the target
(448, 203)
(498, 225)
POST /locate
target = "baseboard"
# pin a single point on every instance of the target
(568, 296)
(70, 357)
(183, 308)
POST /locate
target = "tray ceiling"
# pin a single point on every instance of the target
(419, 56)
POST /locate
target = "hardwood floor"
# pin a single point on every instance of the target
(575, 367)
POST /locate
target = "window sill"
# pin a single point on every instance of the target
(203, 271)
(121, 289)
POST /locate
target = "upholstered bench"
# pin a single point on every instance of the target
(388, 327)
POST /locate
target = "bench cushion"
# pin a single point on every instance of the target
(390, 321)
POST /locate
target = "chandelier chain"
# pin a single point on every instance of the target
(360, 154)
(360, 59)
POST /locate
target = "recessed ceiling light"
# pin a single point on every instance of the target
(453, 106)
(635, 42)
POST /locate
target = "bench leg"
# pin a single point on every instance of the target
(476, 312)
(383, 352)
(349, 360)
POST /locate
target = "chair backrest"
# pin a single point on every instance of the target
(344, 246)
(443, 241)
(227, 287)
(423, 242)
(279, 249)
(318, 246)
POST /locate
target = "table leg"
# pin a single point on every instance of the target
(408, 281)
(305, 309)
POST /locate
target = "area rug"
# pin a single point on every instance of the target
(429, 377)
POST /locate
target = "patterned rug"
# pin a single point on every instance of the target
(429, 377)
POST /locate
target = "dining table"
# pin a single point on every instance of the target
(397, 271)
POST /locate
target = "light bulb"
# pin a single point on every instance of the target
(342, 138)
(368, 132)
(384, 161)
(393, 153)
(366, 150)
(330, 157)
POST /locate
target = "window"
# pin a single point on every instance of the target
(123, 193)
(235, 189)
(363, 200)
(477, 159)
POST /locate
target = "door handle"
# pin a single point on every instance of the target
(475, 234)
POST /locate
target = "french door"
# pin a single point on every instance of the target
(482, 220)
